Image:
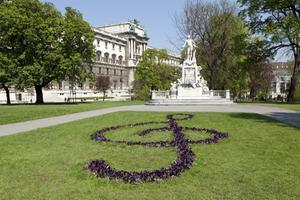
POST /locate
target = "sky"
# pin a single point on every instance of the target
(156, 16)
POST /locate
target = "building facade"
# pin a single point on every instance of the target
(118, 48)
(281, 80)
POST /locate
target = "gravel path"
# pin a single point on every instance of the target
(287, 116)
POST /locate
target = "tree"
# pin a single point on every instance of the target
(239, 80)
(259, 70)
(279, 21)
(215, 27)
(47, 46)
(266, 80)
(77, 47)
(103, 84)
(153, 74)
(8, 69)
(261, 76)
(8, 75)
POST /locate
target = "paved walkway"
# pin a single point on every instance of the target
(287, 116)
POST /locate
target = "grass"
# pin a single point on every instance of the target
(259, 160)
(19, 113)
(295, 107)
(283, 105)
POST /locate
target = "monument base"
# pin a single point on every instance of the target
(184, 102)
(189, 96)
(191, 93)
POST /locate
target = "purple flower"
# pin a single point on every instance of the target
(185, 155)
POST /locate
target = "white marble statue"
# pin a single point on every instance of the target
(173, 87)
(191, 50)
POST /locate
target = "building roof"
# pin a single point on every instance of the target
(109, 34)
(279, 65)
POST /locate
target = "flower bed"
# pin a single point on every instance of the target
(185, 155)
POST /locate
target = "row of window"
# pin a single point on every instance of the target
(107, 59)
(106, 43)
(283, 87)
(103, 70)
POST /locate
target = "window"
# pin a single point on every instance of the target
(120, 60)
(121, 73)
(274, 87)
(98, 43)
(99, 70)
(120, 48)
(115, 72)
(106, 45)
(107, 71)
(114, 58)
(106, 56)
(113, 46)
(282, 87)
(98, 56)
(115, 84)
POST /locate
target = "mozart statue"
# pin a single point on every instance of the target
(191, 50)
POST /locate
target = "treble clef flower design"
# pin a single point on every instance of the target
(185, 155)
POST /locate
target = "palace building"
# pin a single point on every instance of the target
(281, 80)
(118, 49)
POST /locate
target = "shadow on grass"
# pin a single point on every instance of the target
(278, 118)
(290, 118)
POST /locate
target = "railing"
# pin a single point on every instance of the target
(167, 94)
(160, 94)
(220, 93)
(111, 61)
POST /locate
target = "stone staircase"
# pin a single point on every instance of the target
(183, 102)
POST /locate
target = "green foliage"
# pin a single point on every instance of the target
(260, 72)
(279, 22)
(7, 71)
(46, 45)
(153, 74)
(220, 36)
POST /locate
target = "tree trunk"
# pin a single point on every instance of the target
(212, 79)
(39, 94)
(252, 93)
(7, 94)
(292, 89)
(103, 95)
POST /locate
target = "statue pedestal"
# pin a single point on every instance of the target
(189, 93)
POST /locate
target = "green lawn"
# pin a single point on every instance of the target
(284, 105)
(18, 113)
(259, 160)
(295, 107)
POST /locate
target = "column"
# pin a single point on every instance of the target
(227, 94)
(134, 49)
(129, 48)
